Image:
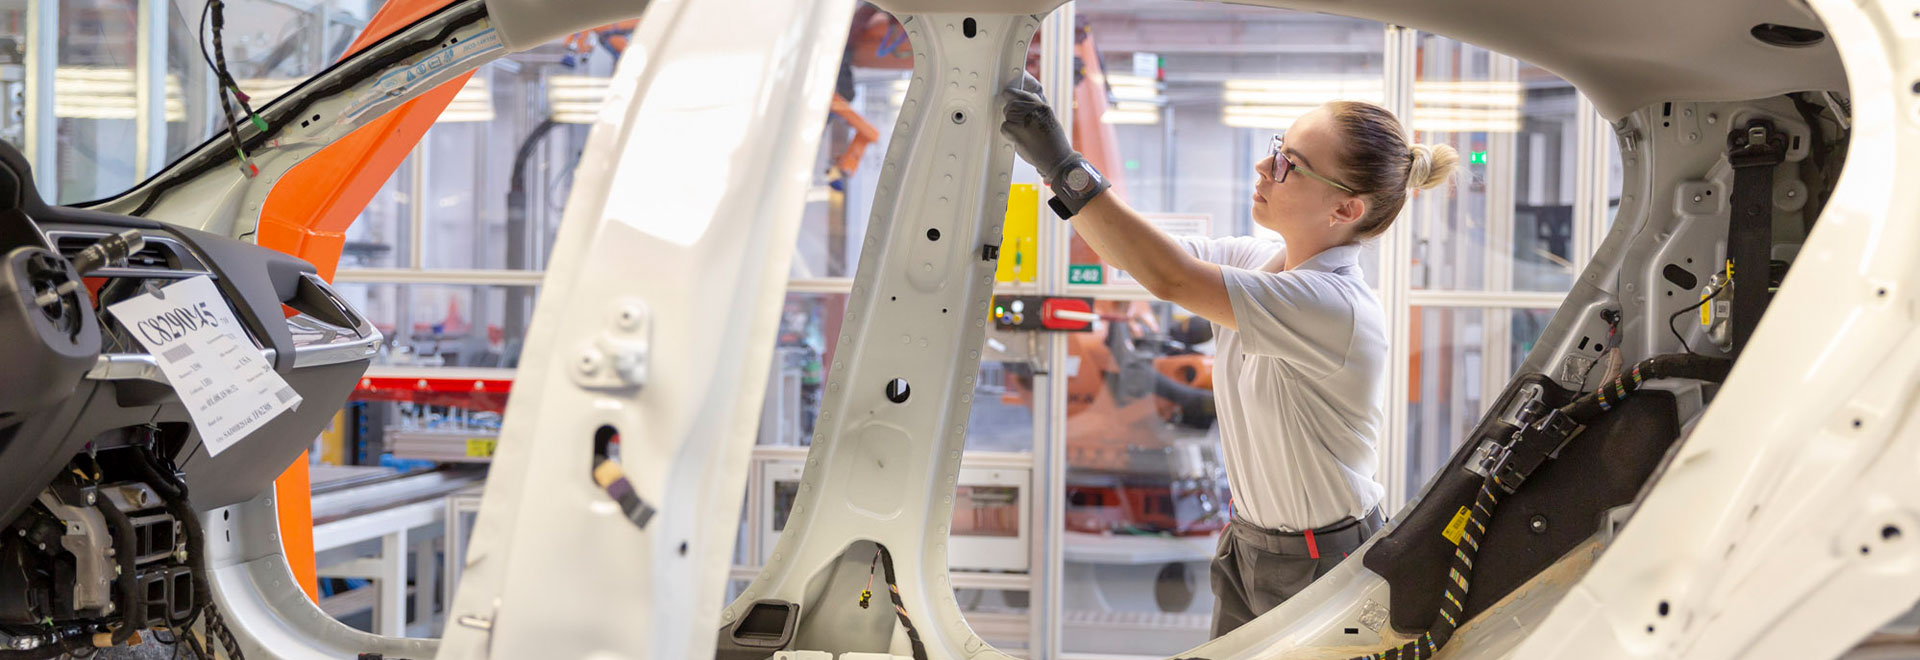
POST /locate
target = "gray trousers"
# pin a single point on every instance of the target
(1255, 569)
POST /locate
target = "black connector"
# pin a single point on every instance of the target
(1532, 446)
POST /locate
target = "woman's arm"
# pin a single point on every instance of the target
(1126, 240)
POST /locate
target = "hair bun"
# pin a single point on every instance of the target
(1432, 165)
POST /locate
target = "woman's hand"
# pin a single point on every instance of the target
(1033, 128)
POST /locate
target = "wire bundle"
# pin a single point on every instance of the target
(229, 91)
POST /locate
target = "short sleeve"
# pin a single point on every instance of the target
(1303, 317)
(1237, 251)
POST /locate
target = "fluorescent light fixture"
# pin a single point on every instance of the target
(1465, 126)
(81, 92)
(1262, 116)
(473, 103)
(576, 99)
(1131, 112)
(1439, 106)
(1114, 116)
(1134, 88)
(1319, 90)
(1466, 120)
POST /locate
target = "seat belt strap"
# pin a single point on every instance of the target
(1754, 152)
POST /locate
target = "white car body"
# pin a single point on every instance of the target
(1784, 525)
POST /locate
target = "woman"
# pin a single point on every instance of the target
(1300, 371)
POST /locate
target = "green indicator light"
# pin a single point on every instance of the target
(1477, 158)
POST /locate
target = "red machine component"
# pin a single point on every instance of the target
(489, 394)
(1067, 314)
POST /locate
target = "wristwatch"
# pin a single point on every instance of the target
(1076, 184)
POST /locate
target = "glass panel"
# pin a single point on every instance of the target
(804, 346)
(93, 94)
(1146, 489)
(1002, 617)
(1616, 179)
(1180, 108)
(189, 104)
(444, 325)
(382, 236)
(1193, 95)
(270, 47)
(1506, 223)
(1461, 359)
(846, 172)
(504, 124)
(1001, 418)
(991, 531)
(13, 73)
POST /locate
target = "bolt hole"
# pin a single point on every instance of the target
(683, 548)
(1916, 86)
(1649, 629)
(454, 40)
(898, 391)
(1856, 423)
(1663, 608)
(1881, 293)
(316, 117)
(933, 234)
(959, 117)
(943, 310)
(1890, 533)
(1864, 550)
(1709, 192)
(226, 515)
(893, 298)
(969, 27)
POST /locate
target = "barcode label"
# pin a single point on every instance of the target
(178, 353)
(286, 394)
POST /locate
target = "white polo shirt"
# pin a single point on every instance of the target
(1300, 387)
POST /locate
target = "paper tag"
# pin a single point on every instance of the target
(222, 378)
(1458, 527)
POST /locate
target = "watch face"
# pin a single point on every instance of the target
(1078, 180)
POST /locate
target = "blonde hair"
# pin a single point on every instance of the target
(1381, 166)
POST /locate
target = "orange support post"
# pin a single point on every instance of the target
(307, 215)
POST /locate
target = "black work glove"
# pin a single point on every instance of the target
(1038, 138)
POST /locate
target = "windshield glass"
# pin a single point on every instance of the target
(95, 135)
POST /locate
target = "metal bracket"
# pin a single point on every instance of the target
(1531, 447)
(617, 357)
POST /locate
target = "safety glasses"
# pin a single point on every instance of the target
(1282, 165)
